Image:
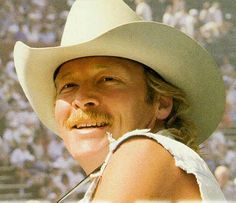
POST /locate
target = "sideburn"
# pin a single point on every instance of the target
(151, 93)
(150, 97)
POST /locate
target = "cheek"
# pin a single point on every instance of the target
(62, 112)
(138, 113)
(129, 103)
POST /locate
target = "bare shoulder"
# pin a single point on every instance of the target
(141, 168)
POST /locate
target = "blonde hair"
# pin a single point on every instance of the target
(176, 124)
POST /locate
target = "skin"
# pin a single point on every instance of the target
(116, 88)
(155, 178)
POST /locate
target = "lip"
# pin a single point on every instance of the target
(90, 132)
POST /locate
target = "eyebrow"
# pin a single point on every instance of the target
(66, 74)
(97, 67)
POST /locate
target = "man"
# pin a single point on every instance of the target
(112, 74)
(143, 9)
(222, 174)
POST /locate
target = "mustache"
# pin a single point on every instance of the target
(79, 117)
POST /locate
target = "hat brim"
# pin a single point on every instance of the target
(179, 59)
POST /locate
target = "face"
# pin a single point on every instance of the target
(96, 95)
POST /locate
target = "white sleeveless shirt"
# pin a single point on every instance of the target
(185, 158)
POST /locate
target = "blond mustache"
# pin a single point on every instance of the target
(79, 117)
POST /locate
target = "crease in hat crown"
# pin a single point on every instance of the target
(87, 19)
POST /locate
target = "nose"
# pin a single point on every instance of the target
(85, 98)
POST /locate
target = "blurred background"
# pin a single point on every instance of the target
(33, 161)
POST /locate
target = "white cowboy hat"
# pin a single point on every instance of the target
(111, 28)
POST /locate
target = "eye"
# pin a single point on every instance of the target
(67, 86)
(108, 78)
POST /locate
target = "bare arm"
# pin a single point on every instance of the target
(142, 169)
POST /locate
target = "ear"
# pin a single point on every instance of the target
(164, 107)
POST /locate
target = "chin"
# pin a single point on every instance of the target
(91, 159)
(90, 152)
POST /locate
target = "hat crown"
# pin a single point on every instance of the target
(88, 19)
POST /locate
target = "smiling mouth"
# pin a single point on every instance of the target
(90, 125)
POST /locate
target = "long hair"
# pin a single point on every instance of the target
(176, 124)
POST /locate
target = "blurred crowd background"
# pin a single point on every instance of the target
(33, 161)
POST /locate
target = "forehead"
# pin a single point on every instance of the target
(99, 63)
